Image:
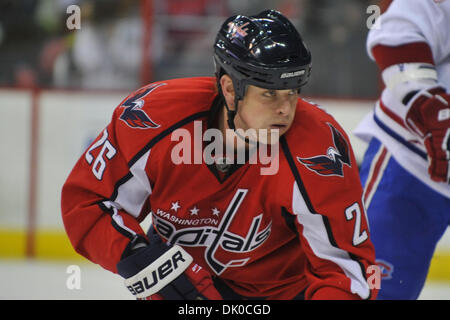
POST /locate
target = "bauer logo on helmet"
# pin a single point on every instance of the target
(292, 74)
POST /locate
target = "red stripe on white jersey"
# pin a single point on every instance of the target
(392, 115)
(377, 168)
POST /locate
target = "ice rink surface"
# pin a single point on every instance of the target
(39, 280)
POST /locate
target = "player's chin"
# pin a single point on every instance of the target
(271, 135)
(278, 129)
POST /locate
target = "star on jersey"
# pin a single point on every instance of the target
(175, 206)
(215, 212)
(194, 211)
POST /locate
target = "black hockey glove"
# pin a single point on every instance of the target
(157, 271)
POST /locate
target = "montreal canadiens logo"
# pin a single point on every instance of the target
(218, 238)
(387, 269)
(333, 162)
(133, 115)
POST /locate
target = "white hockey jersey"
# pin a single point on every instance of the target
(409, 21)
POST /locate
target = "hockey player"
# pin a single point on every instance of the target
(406, 167)
(224, 230)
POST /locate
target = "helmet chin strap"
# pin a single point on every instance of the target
(230, 119)
(231, 114)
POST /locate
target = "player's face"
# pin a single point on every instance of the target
(267, 109)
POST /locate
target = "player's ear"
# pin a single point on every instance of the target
(227, 87)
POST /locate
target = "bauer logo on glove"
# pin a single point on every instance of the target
(165, 269)
(158, 271)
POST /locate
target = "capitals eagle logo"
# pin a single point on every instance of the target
(133, 115)
(333, 162)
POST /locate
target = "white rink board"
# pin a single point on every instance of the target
(69, 122)
(15, 117)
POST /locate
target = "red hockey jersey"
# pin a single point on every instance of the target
(272, 235)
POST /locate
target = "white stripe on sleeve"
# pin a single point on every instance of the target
(132, 194)
(314, 231)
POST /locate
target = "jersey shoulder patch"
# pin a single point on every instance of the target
(335, 158)
(318, 142)
(133, 114)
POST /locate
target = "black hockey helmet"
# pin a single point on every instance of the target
(263, 50)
